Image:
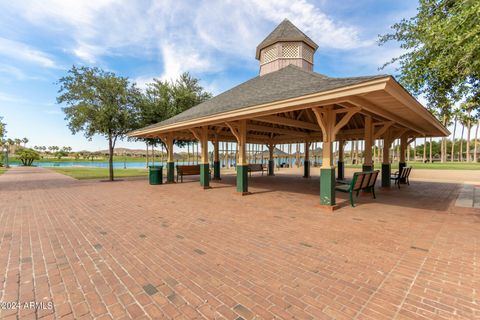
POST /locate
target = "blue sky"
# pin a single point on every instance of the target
(141, 39)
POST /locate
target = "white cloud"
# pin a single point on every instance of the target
(21, 52)
(323, 29)
(6, 97)
(197, 36)
(376, 56)
(12, 71)
(177, 59)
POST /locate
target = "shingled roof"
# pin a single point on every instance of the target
(285, 31)
(286, 83)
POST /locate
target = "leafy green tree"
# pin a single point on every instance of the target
(99, 102)
(27, 156)
(60, 154)
(442, 54)
(3, 129)
(163, 100)
(442, 44)
(468, 107)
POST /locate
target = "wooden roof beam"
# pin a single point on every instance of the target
(371, 107)
(256, 127)
(288, 122)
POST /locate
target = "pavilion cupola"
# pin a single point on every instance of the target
(286, 45)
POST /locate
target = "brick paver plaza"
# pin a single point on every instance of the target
(130, 250)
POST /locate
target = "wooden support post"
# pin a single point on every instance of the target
(340, 163)
(239, 130)
(168, 141)
(216, 159)
(271, 161)
(368, 163)
(297, 155)
(201, 135)
(306, 161)
(402, 164)
(326, 118)
(386, 167)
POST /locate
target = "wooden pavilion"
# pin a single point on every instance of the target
(289, 103)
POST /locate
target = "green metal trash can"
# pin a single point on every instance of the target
(155, 175)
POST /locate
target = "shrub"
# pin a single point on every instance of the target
(27, 156)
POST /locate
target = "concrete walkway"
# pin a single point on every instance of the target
(128, 250)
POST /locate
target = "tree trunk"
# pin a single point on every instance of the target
(153, 155)
(424, 149)
(430, 155)
(351, 151)
(475, 143)
(460, 152)
(110, 157)
(146, 155)
(356, 151)
(415, 149)
(452, 152)
(469, 127)
(196, 153)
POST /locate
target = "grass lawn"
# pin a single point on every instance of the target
(435, 165)
(2, 170)
(14, 160)
(99, 173)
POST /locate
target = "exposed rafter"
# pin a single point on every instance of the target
(288, 122)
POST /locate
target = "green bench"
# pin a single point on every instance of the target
(402, 175)
(255, 167)
(361, 181)
(189, 170)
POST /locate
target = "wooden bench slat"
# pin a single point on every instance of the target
(360, 181)
(187, 170)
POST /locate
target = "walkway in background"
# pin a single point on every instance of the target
(126, 250)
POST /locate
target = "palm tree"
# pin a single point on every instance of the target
(452, 152)
(424, 149)
(430, 154)
(467, 107)
(475, 140)
(25, 141)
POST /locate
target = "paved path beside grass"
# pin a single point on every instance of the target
(127, 250)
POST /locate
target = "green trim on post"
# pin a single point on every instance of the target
(327, 186)
(401, 165)
(242, 178)
(367, 167)
(216, 170)
(205, 175)
(271, 167)
(306, 169)
(170, 172)
(340, 170)
(386, 173)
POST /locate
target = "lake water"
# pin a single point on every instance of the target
(101, 164)
(128, 165)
